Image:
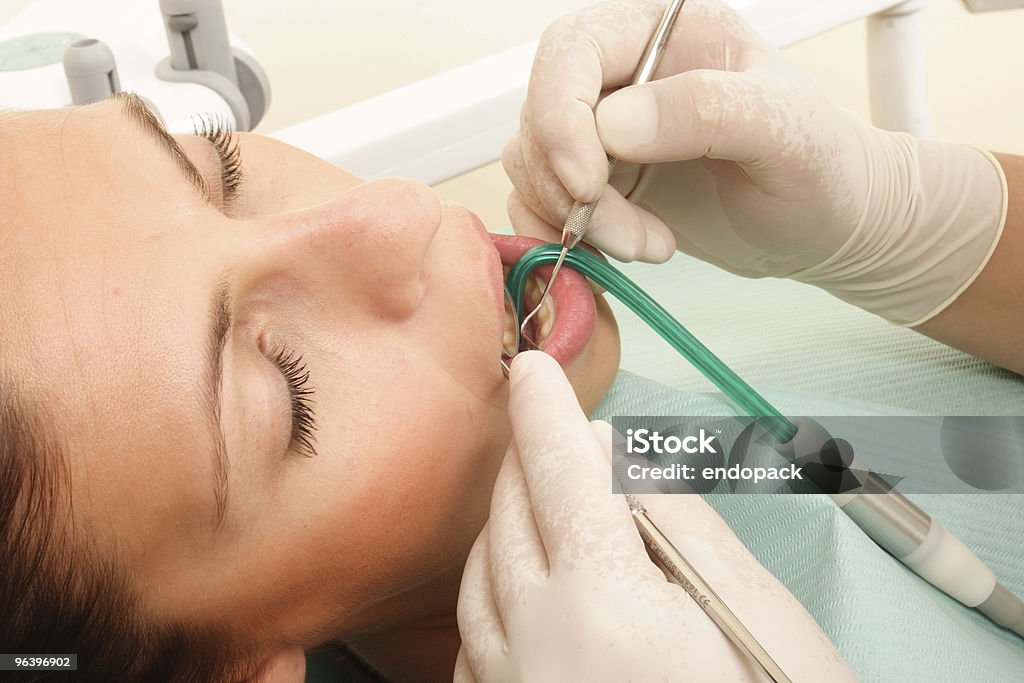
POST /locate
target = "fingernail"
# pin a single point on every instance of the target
(628, 119)
(525, 364)
(660, 246)
(570, 172)
(623, 245)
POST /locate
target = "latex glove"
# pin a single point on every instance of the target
(559, 587)
(749, 166)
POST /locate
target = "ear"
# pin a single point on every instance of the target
(283, 666)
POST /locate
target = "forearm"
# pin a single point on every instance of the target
(987, 320)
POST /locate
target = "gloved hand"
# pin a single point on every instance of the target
(746, 165)
(559, 587)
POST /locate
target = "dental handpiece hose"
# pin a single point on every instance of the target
(579, 216)
(890, 519)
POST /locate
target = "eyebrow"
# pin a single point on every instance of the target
(220, 327)
(135, 109)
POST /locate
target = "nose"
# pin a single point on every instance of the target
(369, 246)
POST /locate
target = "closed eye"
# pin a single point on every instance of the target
(219, 134)
(296, 375)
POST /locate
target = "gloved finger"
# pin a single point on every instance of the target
(463, 672)
(480, 626)
(717, 114)
(629, 232)
(759, 599)
(633, 234)
(553, 197)
(604, 433)
(566, 471)
(622, 230)
(693, 525)
(704, 538)
(710, 34)
(599, 48)
(516, 553)
(577, 57)
(619, 228)
(527, 223)
(288, 665)
(516, 167)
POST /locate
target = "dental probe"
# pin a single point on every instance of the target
(691, 581)
(579, 216)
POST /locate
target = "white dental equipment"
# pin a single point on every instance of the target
(432, 130)
(176, 54)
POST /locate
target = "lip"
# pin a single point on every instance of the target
(575, 308)
(494, 276)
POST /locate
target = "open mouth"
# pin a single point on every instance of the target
(565, 323)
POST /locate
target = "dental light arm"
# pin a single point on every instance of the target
(176, 54)
(452, 123)
(992, 5)
(432, 130)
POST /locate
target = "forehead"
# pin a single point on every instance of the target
(82, 249)
(25, 150)
(59, 171)
(102, 316)
(52, 208)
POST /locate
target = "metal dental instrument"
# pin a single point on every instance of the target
(579, 216)
(691, 581)
(510, 350)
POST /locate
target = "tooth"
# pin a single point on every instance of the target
(533, 292)
(545, 319)
(508, 340)
(545, 329)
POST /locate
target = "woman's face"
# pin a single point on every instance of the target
(193, 354)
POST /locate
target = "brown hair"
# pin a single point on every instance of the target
(58, 596)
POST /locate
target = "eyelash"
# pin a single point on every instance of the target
(225, 142)
(303, 420)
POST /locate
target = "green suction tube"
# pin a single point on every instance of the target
(651, 312)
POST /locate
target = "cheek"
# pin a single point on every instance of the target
(407, 422)
(407, 467)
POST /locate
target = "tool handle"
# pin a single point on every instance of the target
(694, 584)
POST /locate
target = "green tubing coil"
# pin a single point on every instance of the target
(651, 312)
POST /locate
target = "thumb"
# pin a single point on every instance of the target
(284, 666)
(542, 402)
(463, 671)
(704, 112)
